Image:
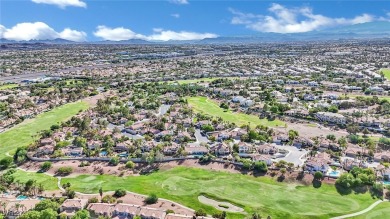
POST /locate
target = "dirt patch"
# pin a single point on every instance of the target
(222, 206)
(137, 199)
(94, 168)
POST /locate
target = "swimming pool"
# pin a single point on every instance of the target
(334, 173)
(103, 153)
(386, 182)
(21, 197)
(123, 155)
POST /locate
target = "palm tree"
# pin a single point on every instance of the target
(101, 193)
(17, 206)
(4, 205)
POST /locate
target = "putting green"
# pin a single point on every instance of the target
(208, 106)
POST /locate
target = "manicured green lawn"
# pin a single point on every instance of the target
(207, 106)
(8, 86)
(261, 194)
(48, 182)
(25, 132)
(386, 72)
(381, 211)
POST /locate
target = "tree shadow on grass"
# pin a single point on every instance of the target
(360, 189)
(342, 190)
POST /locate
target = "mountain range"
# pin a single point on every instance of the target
(370, 30)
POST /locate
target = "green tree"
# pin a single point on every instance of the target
(331, 137)
(101, 193)
(151, 199)
(200, 212)
(120, 193)
(30, 215)
(49, 214)
(82, 214)
(114, 161)
(130, 164)
(318, 175)
(292, 134)
(6, 162)
(47, 204)
(46, 166)
(261, 166)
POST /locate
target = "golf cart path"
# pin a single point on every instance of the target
(373, 205)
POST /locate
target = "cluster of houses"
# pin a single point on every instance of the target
(22, 104)
(14, 208)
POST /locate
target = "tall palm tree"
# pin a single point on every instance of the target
(4, 206)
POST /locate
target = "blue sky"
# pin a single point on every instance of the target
(157, 20)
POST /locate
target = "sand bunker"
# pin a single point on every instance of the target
(222, 206)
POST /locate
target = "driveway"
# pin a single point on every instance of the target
(163, 109)
(294, 156)
(199, 138)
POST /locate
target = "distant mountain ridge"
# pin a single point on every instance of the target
(370, 30)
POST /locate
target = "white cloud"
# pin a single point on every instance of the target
(39, 31)
(62, 3)
(159, 34)
(179, 2)
(175, 15)
(165, 35)
(292, 20)
(116, 34)
(2, 31)
(73, 35)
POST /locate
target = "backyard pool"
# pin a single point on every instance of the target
(334, 173)
(21, 197)
(386, 182)
(123, 155)
(103, 153)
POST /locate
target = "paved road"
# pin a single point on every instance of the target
(19, 78)
(360, 212)
(294, 155)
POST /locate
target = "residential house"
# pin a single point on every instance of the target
(196, 150)
(319, 162)
(263, 157)
(244, 148)
(71, 206)
(267, 149)
(125, 210)
(330, 117)
(72, 151)
(221, 149)
(151, 213)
